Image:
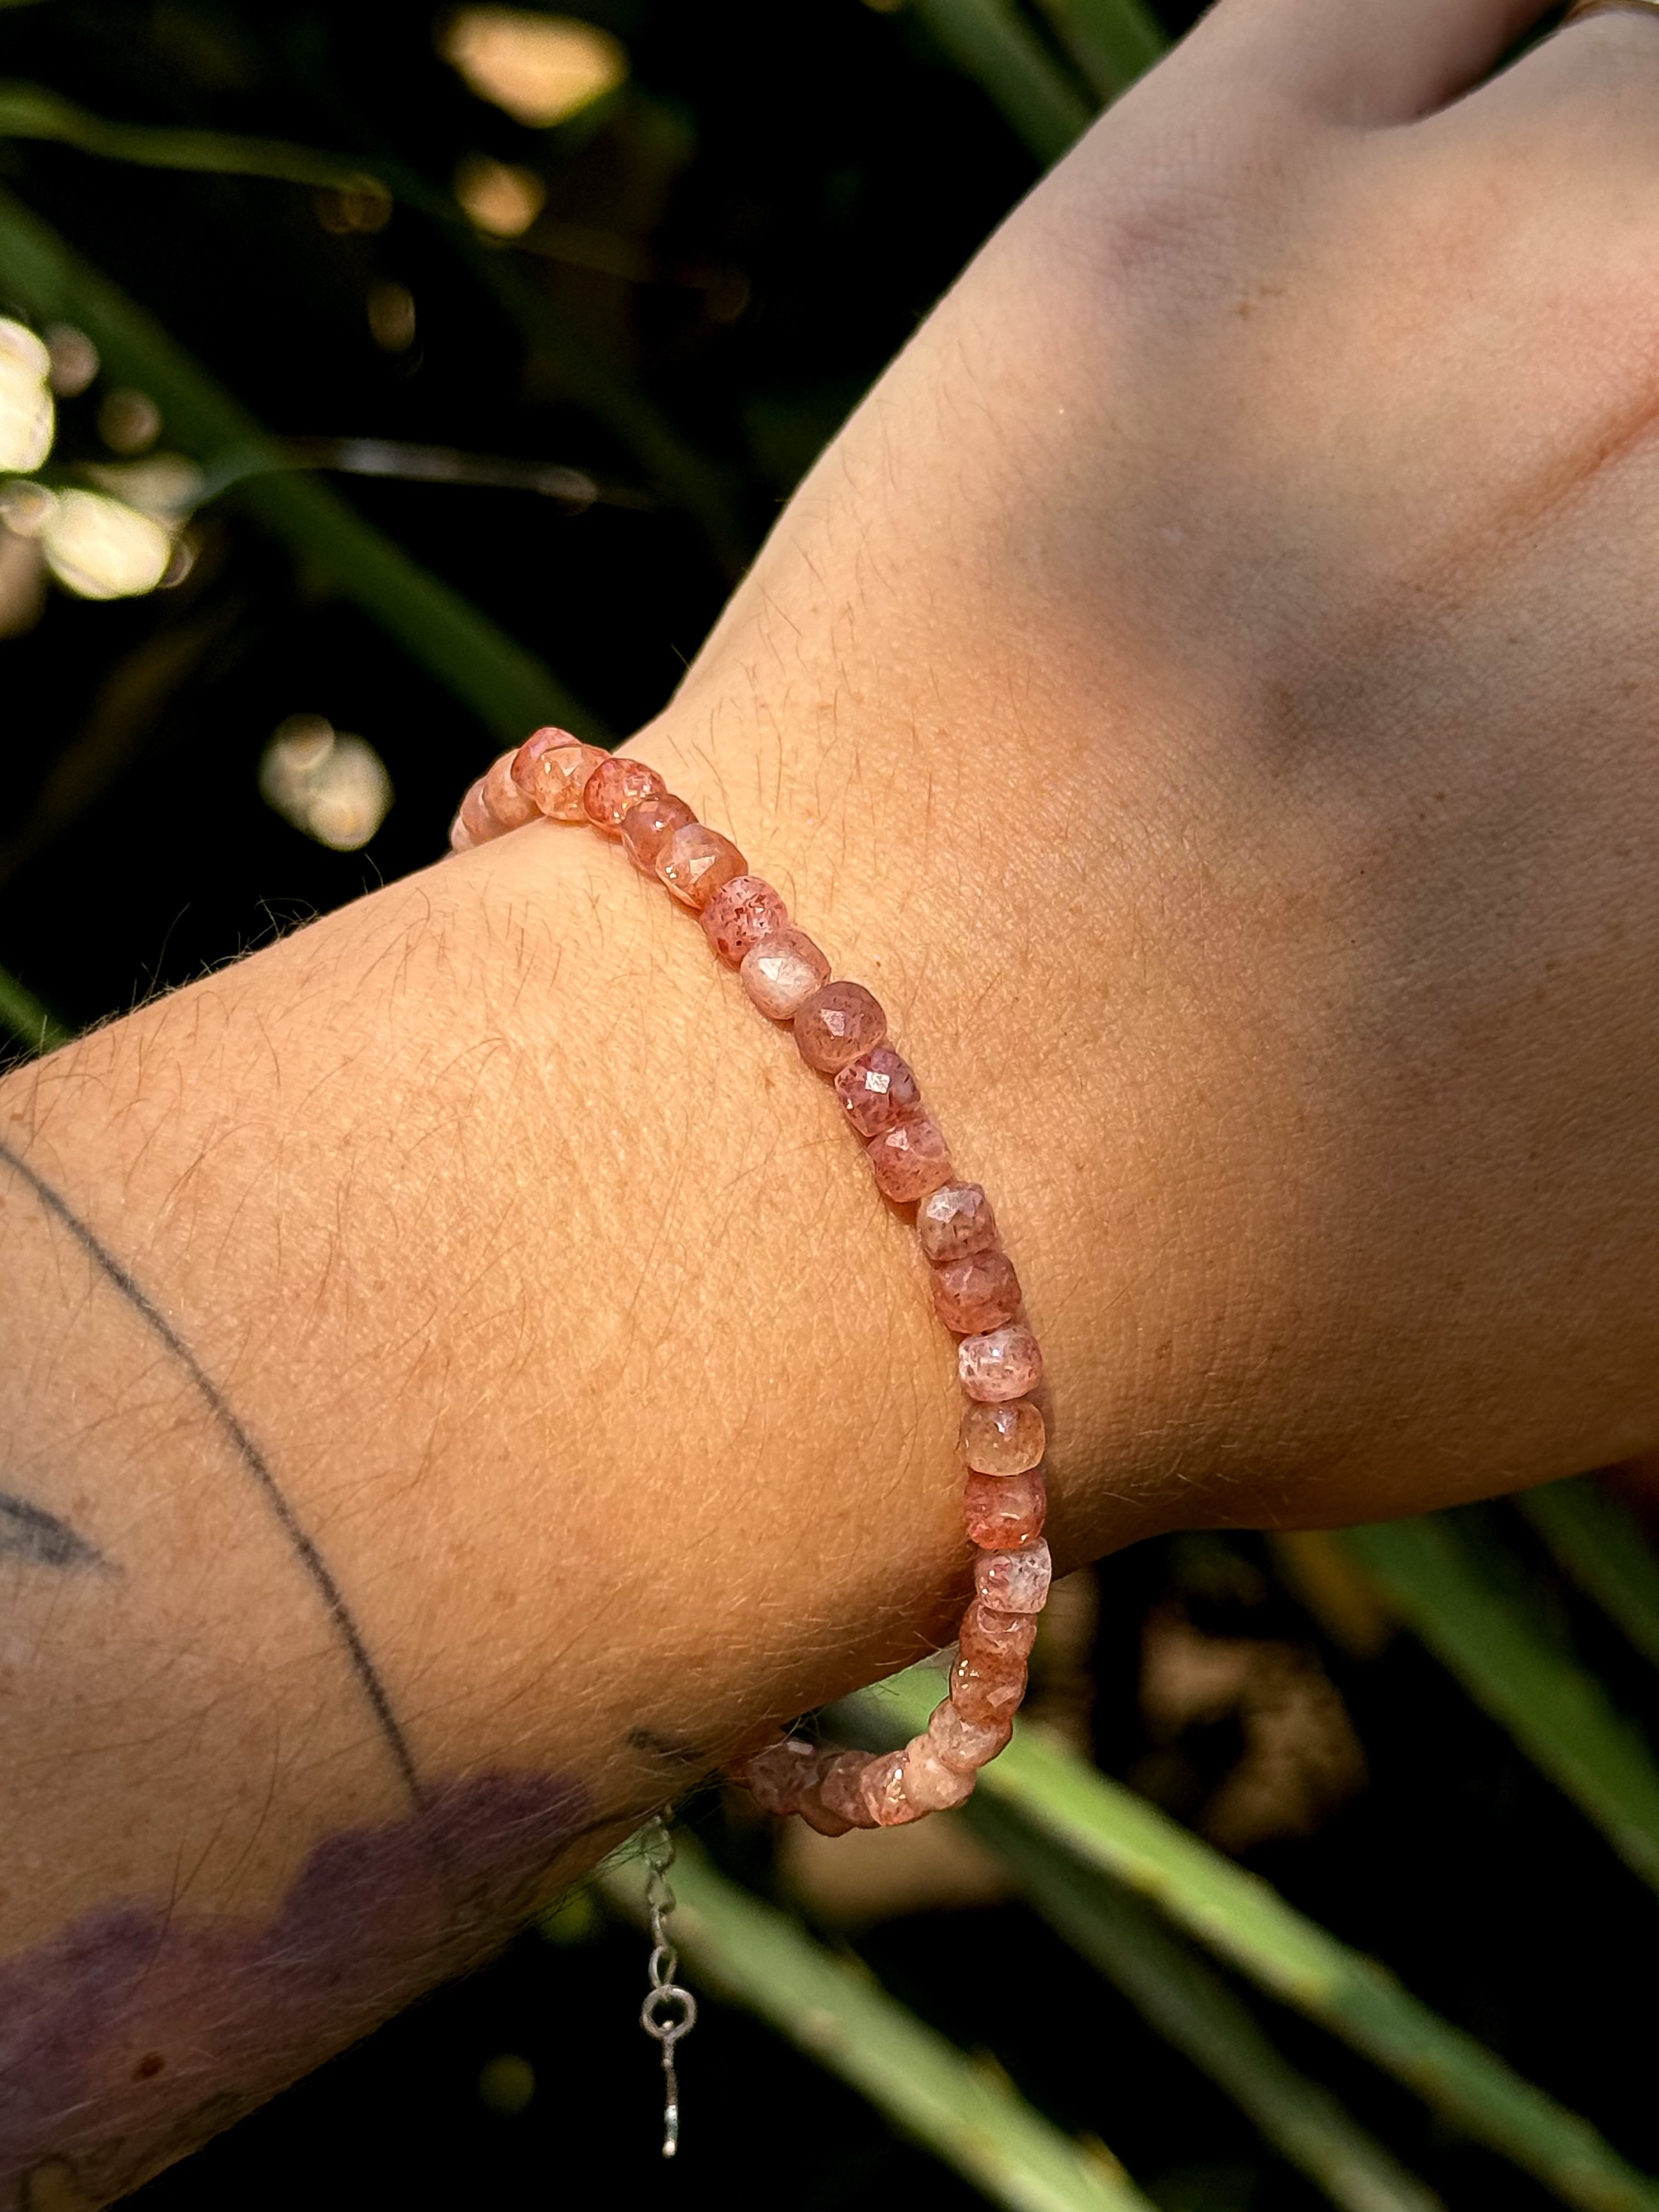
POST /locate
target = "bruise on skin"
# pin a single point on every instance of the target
(138, 2030)
(39, 1539)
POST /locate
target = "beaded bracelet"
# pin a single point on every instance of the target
(841, 1030)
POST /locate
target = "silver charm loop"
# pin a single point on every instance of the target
(669, 2011)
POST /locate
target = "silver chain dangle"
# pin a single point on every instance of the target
(669, 2011)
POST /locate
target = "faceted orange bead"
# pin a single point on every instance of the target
(475, 821)
(838, 1024)
(782, 973)
(646, 828)
(909, 1160)
(929, 1784)
(554, 769)
(1004, 1513)
(885, 1798)
(1014, 1582)
(816, 1814)
(977, 1293)
(526, 773)
(778, 1774)
(954, 1221)
(842, 1791)
(616, 785)
(987, 1634)
(1004, 1363)
(739, 915)
(879, 1092)
(963, 1745)
(511, 807)
(1003, 1439)
(697, 862)
(986, 1691)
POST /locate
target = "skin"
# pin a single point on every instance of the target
(458, 1382)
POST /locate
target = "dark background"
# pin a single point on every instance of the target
(798, 183)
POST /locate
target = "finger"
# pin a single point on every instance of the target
(1377, 62)
(1601, 71)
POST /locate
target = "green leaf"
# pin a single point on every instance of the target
(1248, 1923)
(967, 2114)
(1191, 2007)
(1112, 41)
(33, 111)
(1434, 1574)
(991, 43)
(503, 682)
(29, 1019)
(1604, 1549)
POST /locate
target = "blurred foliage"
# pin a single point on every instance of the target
(399, 393)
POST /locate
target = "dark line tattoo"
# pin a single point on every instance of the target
(254, 1461)
(656, 1746)
(39, 1539)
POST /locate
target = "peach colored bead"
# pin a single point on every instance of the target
(1004, 1512)
(989, 1634)
(1006, 1362)
(555, 772)
(962, 1745)
(954, 1221)
(739, 915)
(782, 972)
(475, 816)
(987, 1691)
(879, 1092)
(461, 839)
(910, 1160)
(510, 806)
(616, 785)
(816, 1814)
(697, 862)
(929, 1784)
(1014, 1582)
(778, 1774)
(838, 1024)
(977, 1293)
(1003, 1439)
(885, 1797)
(646, 828)
(842, 1791)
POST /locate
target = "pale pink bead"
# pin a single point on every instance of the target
(782, 971)
(510, 806)
(885, 1799)
(617, 784)
(461, 839)
(1003, 1439)
(929, 1784)
(879, 1092)
(977, 1293)
(646, 828)
(697, 862)
(816, 1814)
(739, 915)
(1004, 1512)
(954, 1221)
(556, 774)
(910, 1160)
(986, 1690)
(1007, 1362)
(475, 816)
(838, 1024)
(1014, 1582)
(842, 1791)
(778, 1774)
(987, 1634)
(962, 1745)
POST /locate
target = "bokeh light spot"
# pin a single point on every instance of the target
(27, 419)
(507, 2084)
(391, 308)
(540, 69)
(501, 200)
(74, 359)
(102, 549)
(128, 422)
(327, 783)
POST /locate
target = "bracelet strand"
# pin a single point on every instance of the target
(841, 1030)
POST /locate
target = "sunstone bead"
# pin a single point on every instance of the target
(842, 1791)
(879, 1092)
(1003, 1439)
(474, 824)
(885, 1799)
(1014, 1582)
(986, 1691)
(782, 972)
(838, 1024)
(526, 771)
(739, 915)
(646, 828)
(954, 1220)
(511, 807)
(988, 1635)
(695, 862)
(816, 1814)
(554, 769)
(1004, 1512)
(1004, 1363)
(617, 784)
(964, 1746)
(909, 1160)
(929, 1784)
(779, 1775)
(979, 1293)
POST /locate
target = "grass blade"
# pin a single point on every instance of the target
(969, 2116)
(1193, 2008)
(1112, 41)
(1432, 1570)
(33, 111)
(27, 1019)
(1247, 1922)
(989, 42)
(1600, 1546)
